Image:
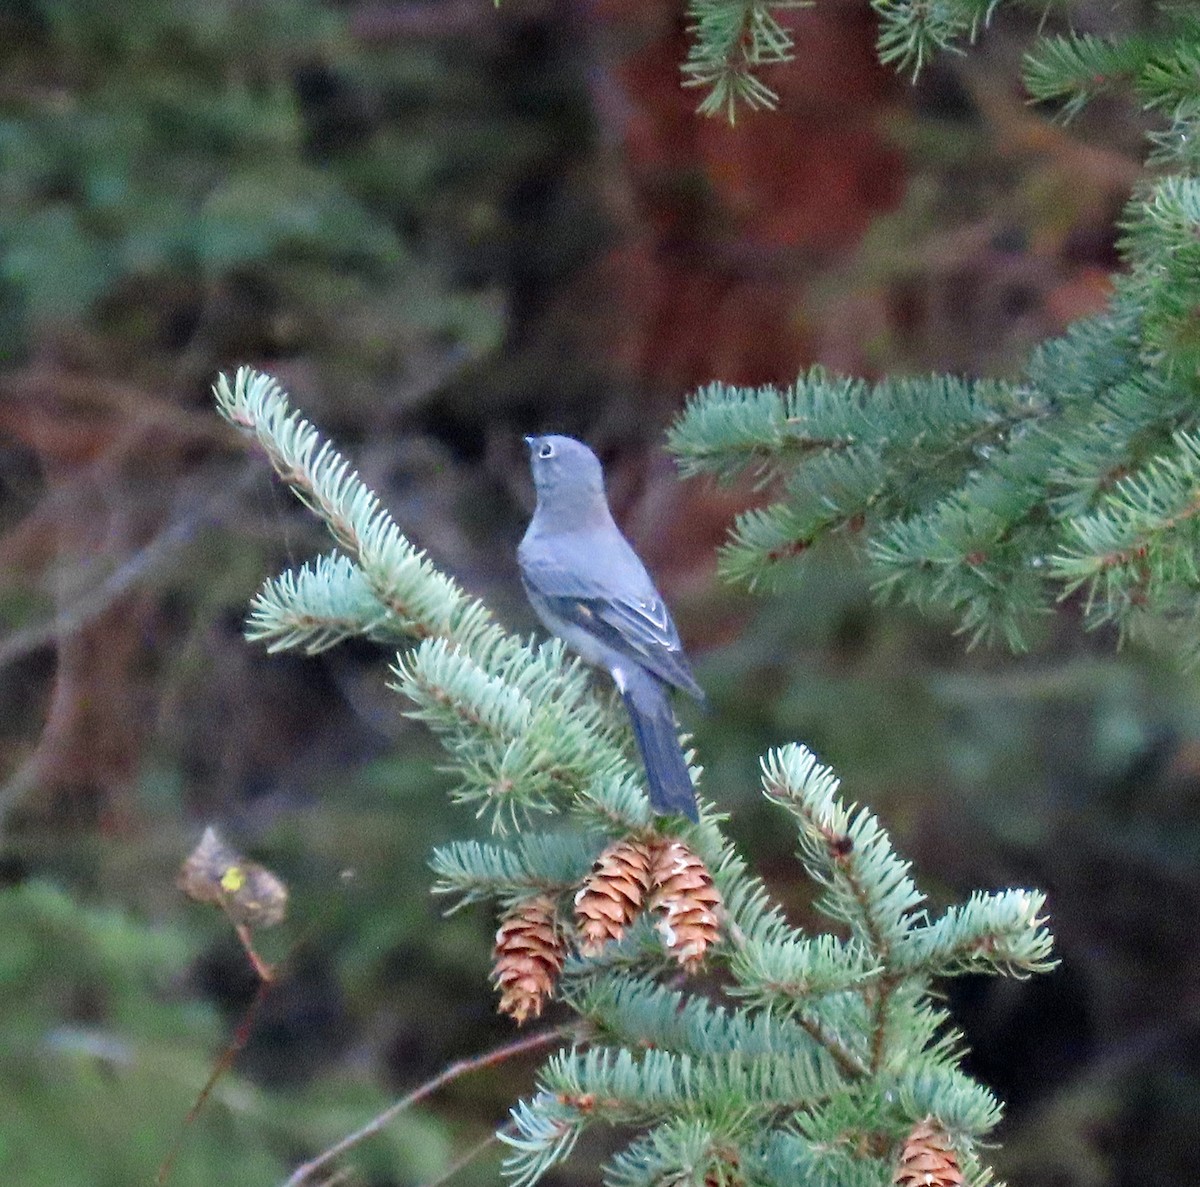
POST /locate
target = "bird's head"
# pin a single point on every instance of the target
(564, 468)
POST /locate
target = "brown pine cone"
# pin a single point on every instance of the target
(528, 957)
(928, 1159)
(687, 902)
(612, 894)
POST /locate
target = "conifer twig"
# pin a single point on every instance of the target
(850, 1064)
(446, 1076)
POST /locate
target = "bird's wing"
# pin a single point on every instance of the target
(636, 625)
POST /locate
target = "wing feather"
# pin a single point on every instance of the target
(643, 633)
(633, 620)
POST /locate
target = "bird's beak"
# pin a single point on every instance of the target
(529, 441)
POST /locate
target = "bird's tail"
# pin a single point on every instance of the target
(667, 775)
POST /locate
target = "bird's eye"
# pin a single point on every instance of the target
(545, 449)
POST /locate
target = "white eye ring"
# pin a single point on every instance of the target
(545, 449)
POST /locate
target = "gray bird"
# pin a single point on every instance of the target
(589, 588)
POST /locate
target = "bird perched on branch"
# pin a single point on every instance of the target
(589, 588)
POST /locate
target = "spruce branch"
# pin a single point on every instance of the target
(527, 731)
(1163, 240)
(871, 892)
(538, 862)
(856, 461)
(1144, 540)
(1000, 499)
(731, 39)
(976, 551)
(786, 1158)
(1078, 67)
(963, 1105)
(1002, 932)
(639, 953)
(621, 1086)
(541, 1134)
(995, 501)
(789, 972)
(726, 429)
(640, 1011)
(684, 1150)
(521, 722)
(845, 850)
(911, 32)
(1160, 67)
(828, 1048)
(315, 607)
(421, 601)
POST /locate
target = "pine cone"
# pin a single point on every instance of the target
(687, 900)
(528, 957)
(612, 894)
(928, 1159)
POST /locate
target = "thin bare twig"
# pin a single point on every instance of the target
(268, 977)
(465, 1159)
(265, 972)
(448, 1074)
(240, 1037)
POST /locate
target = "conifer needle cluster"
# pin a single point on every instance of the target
(797, 1057)
(996, 500)
(733, 40)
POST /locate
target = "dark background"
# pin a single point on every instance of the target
(443, 225)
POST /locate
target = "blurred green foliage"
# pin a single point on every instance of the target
(167, 141)
(103, 1055)
(182, 184)
(155, 159)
